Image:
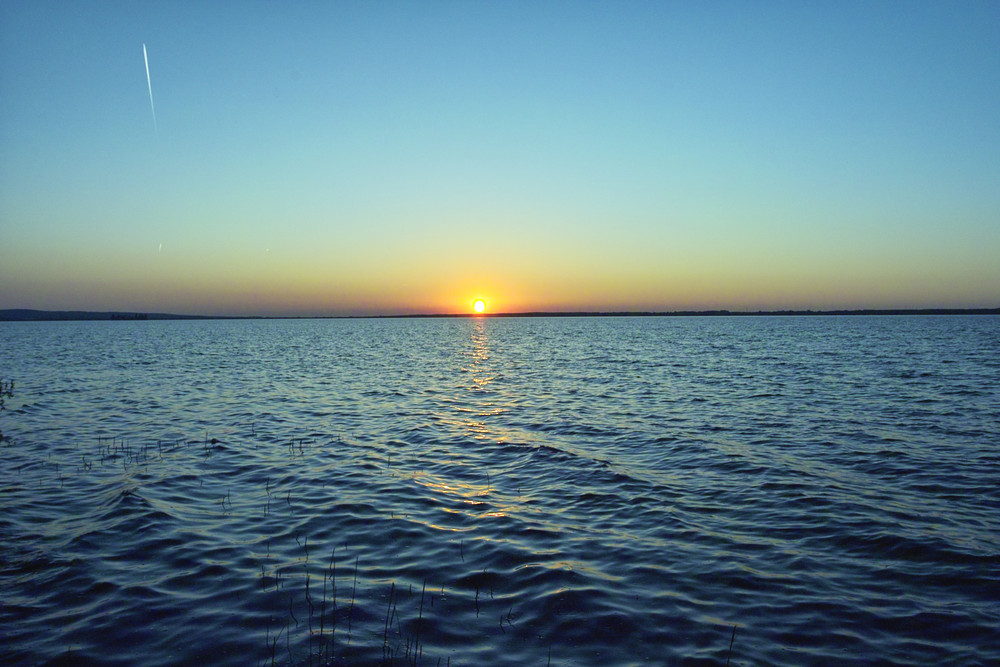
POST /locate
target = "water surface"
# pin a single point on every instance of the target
(565, 491)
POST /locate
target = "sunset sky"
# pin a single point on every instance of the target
(390, 157)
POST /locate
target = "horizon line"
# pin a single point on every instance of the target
(35, 315)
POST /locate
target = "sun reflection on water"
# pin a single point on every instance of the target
(464, 496)
(482, 376)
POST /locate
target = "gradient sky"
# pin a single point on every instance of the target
(391, 157)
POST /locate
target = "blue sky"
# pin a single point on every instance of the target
(352, 158)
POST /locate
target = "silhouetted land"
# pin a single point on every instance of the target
(736, 313)
(27, 315)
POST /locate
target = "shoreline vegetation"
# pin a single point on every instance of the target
(29, 315)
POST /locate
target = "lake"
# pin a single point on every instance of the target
(516, 491)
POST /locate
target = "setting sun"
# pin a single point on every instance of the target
(479, 306)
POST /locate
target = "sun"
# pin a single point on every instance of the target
(479, 306)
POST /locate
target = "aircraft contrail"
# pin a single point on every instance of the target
(150, 84)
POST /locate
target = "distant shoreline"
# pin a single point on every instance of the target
(28, 315)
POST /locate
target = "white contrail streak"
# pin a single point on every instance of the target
(150, 84)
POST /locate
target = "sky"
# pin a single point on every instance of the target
(356, 158)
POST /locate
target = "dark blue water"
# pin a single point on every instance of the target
(594, 491)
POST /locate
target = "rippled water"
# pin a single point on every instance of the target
(593, 491)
